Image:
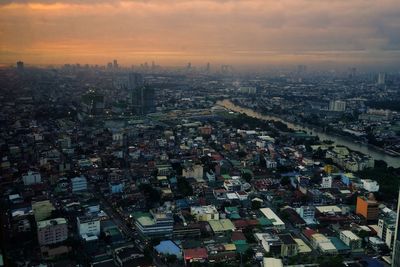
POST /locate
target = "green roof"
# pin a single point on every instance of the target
(221, 225)
(339, 245)
(113, 231)
(136, 215)
(226, 176)
(264, 221)
(241, 246)
(232, 209)
(247, 171)
(234, 216)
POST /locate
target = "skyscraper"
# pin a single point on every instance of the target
(381, 78)
(115, 65)
(20, 65)
(396, 245)
(142, 95)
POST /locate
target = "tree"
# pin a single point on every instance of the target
(184, 187)
(171, 259)
(247, 177)
(152, 194)
(255, 205)
(247, 256)
(285, 181)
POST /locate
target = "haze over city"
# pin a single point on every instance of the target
(204, 133)
(171, 32)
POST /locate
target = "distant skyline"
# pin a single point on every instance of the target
(174, 32)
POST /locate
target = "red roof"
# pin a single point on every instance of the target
(252, 222)
(195, 253)
(217, 157)
(240, 224)
(238, 236)
(308, 233)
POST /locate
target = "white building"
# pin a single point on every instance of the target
(277, 223)
(322, 243)
(270, 164)
(193, 171)
(79, 184)
(386, 230)
(248, 90)
(210, 176)
(337, 105)
(351, 240)
(272, 262)
(381, 78)
(88, 225)
(370, 185)
(326, 182)
(205, 213)
(307, 213)
(31, 178)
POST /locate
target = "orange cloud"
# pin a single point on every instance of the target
(176, 31)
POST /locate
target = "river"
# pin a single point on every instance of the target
(338, 140)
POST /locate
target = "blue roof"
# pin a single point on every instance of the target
(339, 245)
(371, 262)
(168, 247)
(182, 203)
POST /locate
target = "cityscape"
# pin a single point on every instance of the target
(254, 154)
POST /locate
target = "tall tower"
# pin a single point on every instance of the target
(142, 95)
(396, 245)
(20, 65)
(381, 78)
(115, 65)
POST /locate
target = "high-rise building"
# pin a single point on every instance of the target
(20, 65)
(367, 207)
(301, 69)
(337, 105)
(142, 95)
(396, 245)
(93, 103)
(115, 65)
(135, 80)
(381, 78)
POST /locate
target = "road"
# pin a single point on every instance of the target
(127, 230)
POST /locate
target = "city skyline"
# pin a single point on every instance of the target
(225, 32)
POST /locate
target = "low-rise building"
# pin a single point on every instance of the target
(42, 209)
(31, 178)
(52, 231)
(116, 187)
(205, 213)
(78, 184)
(88, 226)
(155, 223)
(277, 223)
(351, 240)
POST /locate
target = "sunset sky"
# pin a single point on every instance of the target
(220, 31)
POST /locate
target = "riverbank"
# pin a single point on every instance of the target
(375, 152)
